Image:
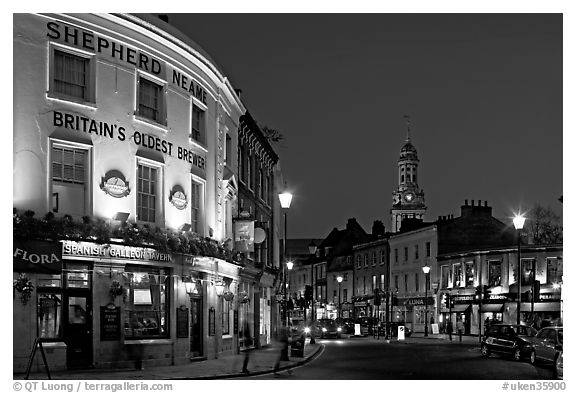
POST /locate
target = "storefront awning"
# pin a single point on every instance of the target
(540, 307)
(492, 307)
(460, 307)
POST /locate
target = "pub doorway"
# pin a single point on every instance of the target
(195, 326)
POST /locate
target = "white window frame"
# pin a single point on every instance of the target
(161, 122)
(159, 189)
(88, 174)
(90, 99)
(202, 208)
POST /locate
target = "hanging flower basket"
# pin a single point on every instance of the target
(24, 286)
(228, 296)
(116, 289)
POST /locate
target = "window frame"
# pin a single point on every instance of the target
(90, 96)
(201, 124)
(162, 111)
(201, 183)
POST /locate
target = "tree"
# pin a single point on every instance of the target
(544, 226)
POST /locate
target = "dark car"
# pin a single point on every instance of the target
(393, 326)
(328, 328)
(347, 325)
(513, 340)
(366, 324)
(546, 345)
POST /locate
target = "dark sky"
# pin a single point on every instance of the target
(484, 92)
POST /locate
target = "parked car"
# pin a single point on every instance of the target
(546, 345)
(366, 324)
(559, 368)
(394, 329)
(508, 339)
(328, 328)
(347, 325)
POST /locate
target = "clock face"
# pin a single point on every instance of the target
(408, 197)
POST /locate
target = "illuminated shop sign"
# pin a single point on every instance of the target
(89, 41)
(244, 236)
(109, 130)
(419, 301)
(85, 249)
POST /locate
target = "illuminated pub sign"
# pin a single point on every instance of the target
(37, 256)
(93, 250)
(244, 236)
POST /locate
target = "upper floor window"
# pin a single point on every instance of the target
(405, 253)
(358, 261)
(406, 283)
(71, 76)
(69, 180)
(445, 276)
(374, 258)
(553, 271)
(150, 100)
(382, 257)
(396, 282)
(428, 249)
(260, 185)
(196, 200)
(147, 193)
(197, 131)
(417, 281)
(365, 260)
(458, 276)
(527, 271)
(494, 273)
(396, 255)
(469, 274)
(345, 276)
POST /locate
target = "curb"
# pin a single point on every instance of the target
(256, 373)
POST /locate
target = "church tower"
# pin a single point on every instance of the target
(408, 198)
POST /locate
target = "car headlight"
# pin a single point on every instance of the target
(306, 330)
(324, 330)
(339, 329)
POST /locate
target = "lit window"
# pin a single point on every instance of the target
(196, 199)
(69, 178)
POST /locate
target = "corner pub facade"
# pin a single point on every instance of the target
(125, 132)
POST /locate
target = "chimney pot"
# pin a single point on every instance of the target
(472, 201)
(485, 203)
(465, 202)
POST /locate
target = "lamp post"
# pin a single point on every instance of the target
(339, 279)
(285, 200)
(518, 224)
(426, 270)
(312, 249)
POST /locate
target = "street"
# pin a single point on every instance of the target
(416, 358)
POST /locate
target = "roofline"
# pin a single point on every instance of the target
(499, 250)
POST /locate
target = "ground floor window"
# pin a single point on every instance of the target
(49, 315)
(145, 314)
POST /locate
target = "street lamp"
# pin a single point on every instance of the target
(339, 279)
(285, 200)
(426, 270)
(312, 249)
(518, 224)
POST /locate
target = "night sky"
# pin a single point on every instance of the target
(484, 92)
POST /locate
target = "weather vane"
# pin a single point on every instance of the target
(407, 117)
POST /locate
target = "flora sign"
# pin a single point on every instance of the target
(37, 256)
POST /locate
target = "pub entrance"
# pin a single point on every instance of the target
(195, 326)
(78, 331)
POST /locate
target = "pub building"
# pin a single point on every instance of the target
(124, 190)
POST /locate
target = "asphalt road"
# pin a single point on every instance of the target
(414, 359)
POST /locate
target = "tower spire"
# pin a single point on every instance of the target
(407, 118)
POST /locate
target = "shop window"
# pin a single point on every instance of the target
(49, 315)
(69, 179)
(71, 76)
(150, 100)
(469, 274)
(78, 277)
(49, 281)
(197, 131)
(145, 313)
(494, 273)
(147, 193)
(225, 316)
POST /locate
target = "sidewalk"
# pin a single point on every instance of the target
(262, 361)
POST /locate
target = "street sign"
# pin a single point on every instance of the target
(400, 333)
(357, 329)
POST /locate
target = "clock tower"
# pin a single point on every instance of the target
(408, 198)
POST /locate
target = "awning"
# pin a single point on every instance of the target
(540, 307)
(492, 307)
(460, 307)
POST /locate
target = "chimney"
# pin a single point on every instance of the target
(238, 92)
(472, 202)
(378, 228)
(465, 202)
(485, 203)
(351, 221)
(163, 17)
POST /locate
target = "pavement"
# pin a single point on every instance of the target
(261, 361)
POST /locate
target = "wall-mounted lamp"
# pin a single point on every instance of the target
(190, 285)
(219, 288)
(185, 227)
(121, 216)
